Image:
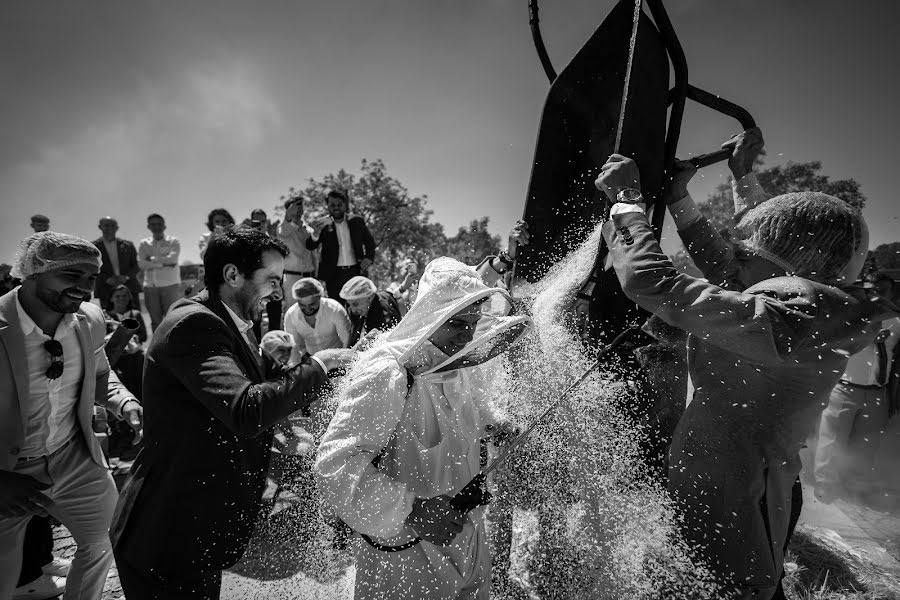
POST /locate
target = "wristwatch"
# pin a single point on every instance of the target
(629, 196)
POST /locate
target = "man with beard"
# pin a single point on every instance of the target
(212, 399)
(316, 323)
(348, 247)
(53, 369)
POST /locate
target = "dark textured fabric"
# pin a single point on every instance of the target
(37, 549)
(209, 406)
(196, 585)
(128, 265)
(383, 314)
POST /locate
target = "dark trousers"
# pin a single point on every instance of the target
(341, 276)
(140, 585)
(796, 509)
(37, 550)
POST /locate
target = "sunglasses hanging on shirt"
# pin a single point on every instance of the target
(55, 370)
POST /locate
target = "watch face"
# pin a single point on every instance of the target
(629, 196)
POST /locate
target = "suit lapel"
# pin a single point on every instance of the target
(12, 338)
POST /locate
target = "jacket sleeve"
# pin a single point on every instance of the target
(130, 265)
(144, 258)
(198, 351)
(765, 326)
(710, 252)
(365, 498)
(368, 241)
(109, 392)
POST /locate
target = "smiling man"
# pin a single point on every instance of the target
(53, 369)
(212, 398)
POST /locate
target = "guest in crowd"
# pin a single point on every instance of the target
(259, 220)
(50, 462)
(370, 310)
(854, 422)
(348, 248)
(315, 322)
(158, 259)
(301, 261)
(7, 281)
(218, 219)
(40, 223)
(120, 263)
(190, 506)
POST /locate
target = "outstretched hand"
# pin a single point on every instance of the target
(745, 148)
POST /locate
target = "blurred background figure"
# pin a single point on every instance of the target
(370, 309)
(120, 263)
(852, 427)
(301, 262)
(158, 259)
(40, 223)
(315, 322)
(218, 218)
(259, 220)
(348, 247)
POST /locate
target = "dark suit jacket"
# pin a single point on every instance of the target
(128, 265)
(363, 245)
(384, 314)
(196, 487)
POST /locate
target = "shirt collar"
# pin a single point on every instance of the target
(241, 324)
(28, 325)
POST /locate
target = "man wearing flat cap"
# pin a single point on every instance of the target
(53, 369)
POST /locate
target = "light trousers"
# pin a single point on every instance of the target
(84, 497)
(850, 431)
(159, 299)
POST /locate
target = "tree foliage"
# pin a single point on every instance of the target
(886, 257)
(399, 221)
(777, 180)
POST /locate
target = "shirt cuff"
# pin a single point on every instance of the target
(620, 208)
(319, 362)
(685, 213)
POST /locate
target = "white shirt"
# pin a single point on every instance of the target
(152, 253)
(346, 256)
(243, 327)
(112, 249)
(332, 328)
(862, 368)
(294, 237)
(51, 419)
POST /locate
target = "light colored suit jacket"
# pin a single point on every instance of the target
(99, 385)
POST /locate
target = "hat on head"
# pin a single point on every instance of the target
(275, 339)
(357, 288)
(308, 286)
(814, 234)
(51, 251)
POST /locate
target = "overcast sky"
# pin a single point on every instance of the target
(126, 108)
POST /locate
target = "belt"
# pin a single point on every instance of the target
(27, 458)
(347, 268)
(300, 273)
(862, 387)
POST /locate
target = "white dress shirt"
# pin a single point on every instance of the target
(51, 411)
(243, 327)
(332, 328)
(346, 255)
(294, 237)
(152, 254)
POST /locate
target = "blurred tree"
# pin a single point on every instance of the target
(472, 243)
(777, 180)
(399, 221)
(887, 257)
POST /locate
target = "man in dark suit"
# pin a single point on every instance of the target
(120, 264)
(348, 248)
(211, 398)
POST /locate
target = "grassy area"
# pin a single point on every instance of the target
(820, 566)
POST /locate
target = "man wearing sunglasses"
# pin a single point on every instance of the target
(53, 369)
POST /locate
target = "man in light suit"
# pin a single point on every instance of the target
(119, 264)
(53, 369)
